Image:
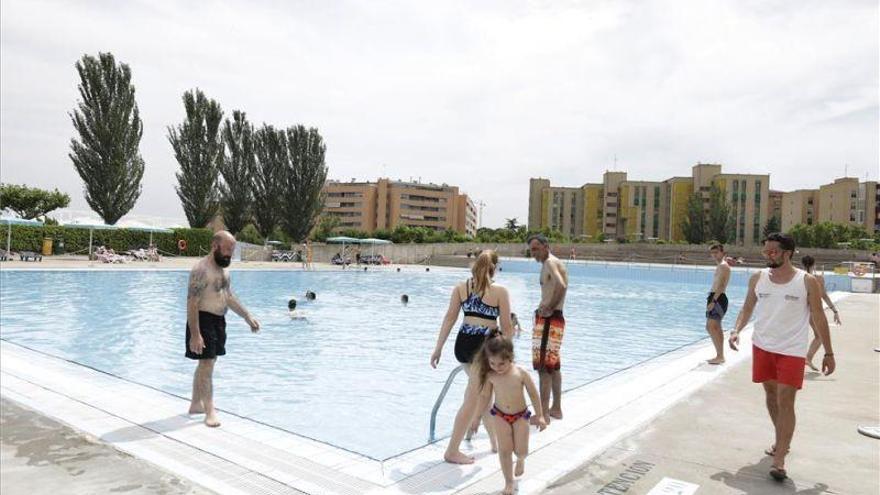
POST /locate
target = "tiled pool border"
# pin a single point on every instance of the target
(248, 457)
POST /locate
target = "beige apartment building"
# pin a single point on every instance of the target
(774, 205)
(647, 210)
(386, 204)
(846, 200)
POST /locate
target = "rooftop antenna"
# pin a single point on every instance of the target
(480, 221)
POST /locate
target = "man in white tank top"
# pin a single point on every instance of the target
(783, 299)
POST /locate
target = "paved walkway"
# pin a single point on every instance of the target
(715, 439)
(41, 456)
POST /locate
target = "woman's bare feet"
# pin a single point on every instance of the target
(520, 466)
(509, 488)
(715, 360)
(211, 419)
(196, 408)
(555, 412)
(457, 458)
(811, 366)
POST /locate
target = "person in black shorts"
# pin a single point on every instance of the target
(716, 302)
(208, 297)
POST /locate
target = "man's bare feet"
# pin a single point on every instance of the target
(457, 458)
(716, 360)
(211, 419)
(509, 488)
(554, 412)
(196, 408)
(520, 466)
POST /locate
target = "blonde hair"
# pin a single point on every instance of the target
(483, 271)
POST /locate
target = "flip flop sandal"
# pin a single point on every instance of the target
(772, 451)
(778, 474)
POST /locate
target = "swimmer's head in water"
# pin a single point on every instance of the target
(398, 269)
(427, 269)
(404, 299)
(291, 305)
(311, 296)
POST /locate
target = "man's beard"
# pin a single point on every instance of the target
(773, 264)
(222, 261)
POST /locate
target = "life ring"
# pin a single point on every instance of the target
(181, 245)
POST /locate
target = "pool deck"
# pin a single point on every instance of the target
(677, 396)
(715, 438)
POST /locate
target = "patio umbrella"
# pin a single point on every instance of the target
(135, 225)
(343, 240)
(92, 228)
(16, 221)
(372, 242)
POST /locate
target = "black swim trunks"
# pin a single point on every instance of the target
(213, 329)
(719, 309)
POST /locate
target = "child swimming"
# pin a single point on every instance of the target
(499, 374)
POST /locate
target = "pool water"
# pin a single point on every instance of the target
(356, 372)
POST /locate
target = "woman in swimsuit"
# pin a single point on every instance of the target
(485, 305)
(499, 374)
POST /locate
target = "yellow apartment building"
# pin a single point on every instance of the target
(647, 210)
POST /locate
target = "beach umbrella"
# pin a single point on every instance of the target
(92, 228)
(9, 221)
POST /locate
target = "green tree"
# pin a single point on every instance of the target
(31, 202)
(236, 169)
(198, 150)
(304, 173)
(326, 226)
(771, 226)
(824, 235)
(803, 235)
(107, 120)
(693, 225)
(511, 224)
(270, 150)
(719, 224)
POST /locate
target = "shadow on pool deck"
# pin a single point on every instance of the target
(716, 437)
(41, 456)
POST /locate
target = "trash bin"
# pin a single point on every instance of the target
(47, 246)
(59, 246)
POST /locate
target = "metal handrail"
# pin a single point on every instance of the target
(440, 400)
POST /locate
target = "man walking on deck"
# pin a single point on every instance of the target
(208, 297)
(549, 325)
(716, 303)
(783, 299)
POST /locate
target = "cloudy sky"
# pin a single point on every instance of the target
(483, 95)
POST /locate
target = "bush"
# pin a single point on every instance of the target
(76, 240)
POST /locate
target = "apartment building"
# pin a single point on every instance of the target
(774, 205)
(647, 210)
(846, 200)
(386, 204)
(799, 206)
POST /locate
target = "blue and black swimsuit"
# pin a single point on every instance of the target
(470, 337)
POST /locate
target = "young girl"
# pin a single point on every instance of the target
(499, 374)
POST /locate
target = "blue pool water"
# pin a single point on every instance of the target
(356, 374)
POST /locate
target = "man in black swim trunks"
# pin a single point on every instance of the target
(207, 300)
(716, 302)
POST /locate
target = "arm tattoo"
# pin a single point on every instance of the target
(197, 284)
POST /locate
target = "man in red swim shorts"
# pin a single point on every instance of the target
(784, 299)
(549, 325)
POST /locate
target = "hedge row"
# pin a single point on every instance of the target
(27, 238)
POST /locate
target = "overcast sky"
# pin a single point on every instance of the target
(482, 95)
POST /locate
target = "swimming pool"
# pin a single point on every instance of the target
(360, 379)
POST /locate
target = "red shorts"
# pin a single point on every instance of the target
(768, 366)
